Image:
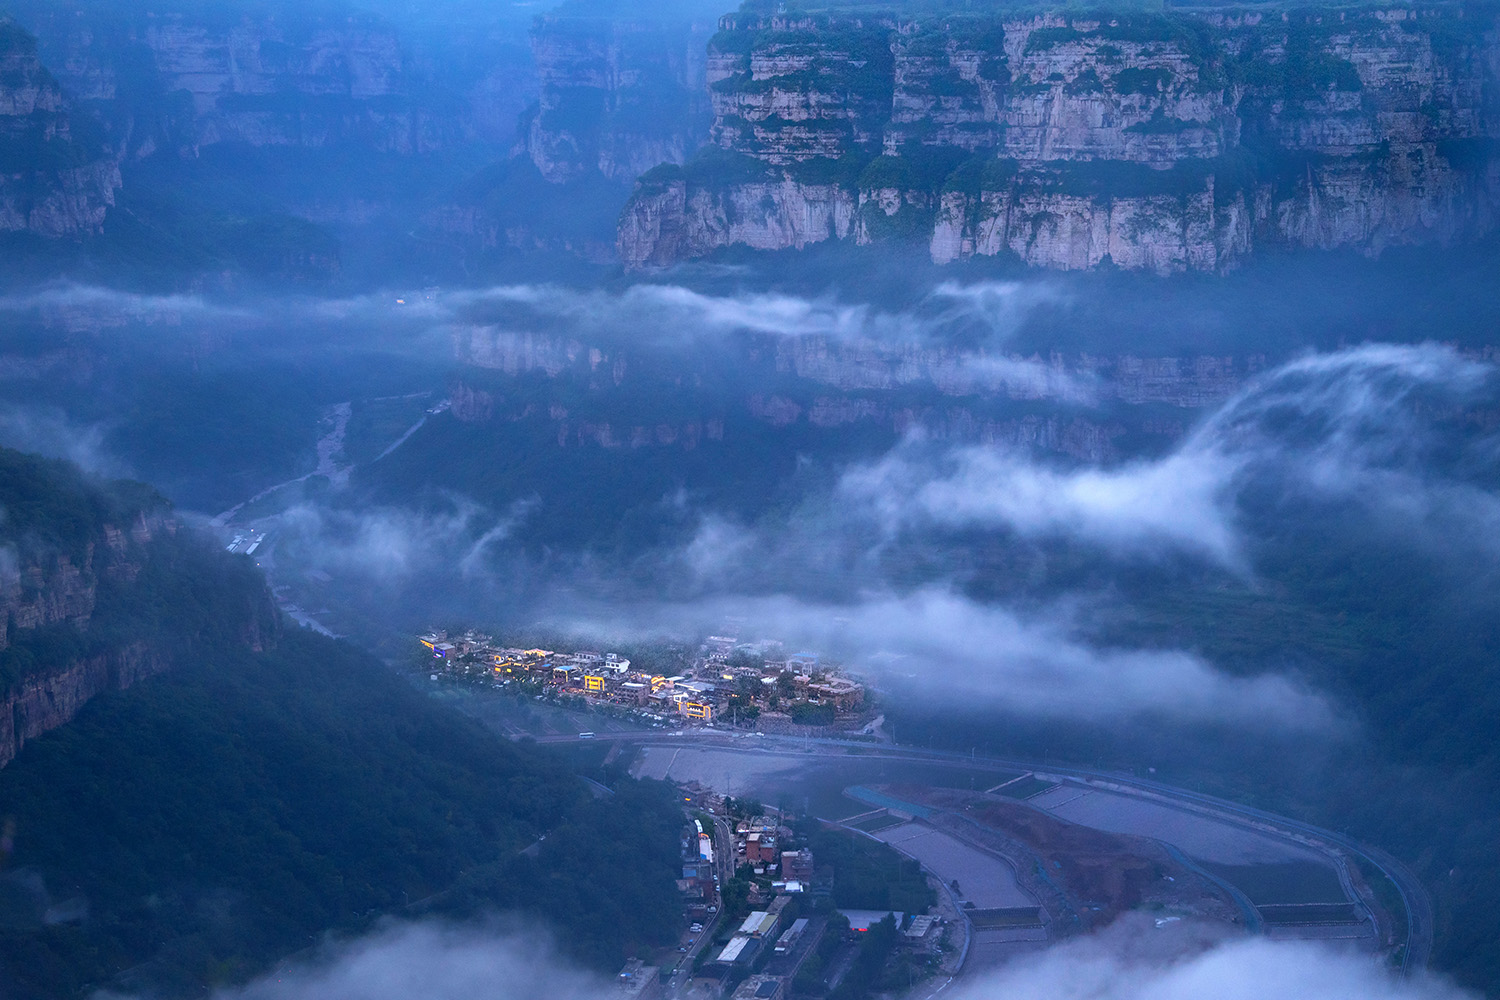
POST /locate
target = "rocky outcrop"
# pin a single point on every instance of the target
(785, 101)
(470, 405)
(606, 434)
(485, 346)
(181, 79)
(1080, 438)
(86, 572)
(1165, 143)
(673, 220)
(851, 365)
(39, 704)
(57, 177)
(937, 391)
(618, 95)
(36, 597)
(44, 585)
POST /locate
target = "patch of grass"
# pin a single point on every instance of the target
(877, 823)
(1026, 787)
(1293, 882)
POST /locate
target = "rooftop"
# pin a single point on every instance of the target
(757, 922)
(734, 949)
(920, 926)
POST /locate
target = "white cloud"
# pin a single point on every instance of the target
(718, 547)
(1353, 426)
(673, 313)
(49, 431)
(1132, 960)
(1181, 501)
(393, 544)
(427, 961)
(999, 658)
(77, 306)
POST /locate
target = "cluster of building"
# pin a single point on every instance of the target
(758, 955)
(758, 932)
(718, 684)
(756, 843)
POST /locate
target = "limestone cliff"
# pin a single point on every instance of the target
(184, 78)
(41, 703)
(855, 366)
(1163, 142)
(45, 586)
(90, 576)
(618, 94)
(56, 175)
(852, 365)
(825, 382)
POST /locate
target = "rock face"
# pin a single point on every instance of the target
(183, 79)
(941, 392)
(618, 95)
(58, 575)
(56, 175)
(670, 221)
(851, 365)
(40, 704)
(1158, 142)
(47, 587)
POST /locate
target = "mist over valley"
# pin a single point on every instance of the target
(597, 499)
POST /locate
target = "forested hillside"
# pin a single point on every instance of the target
(193, 828)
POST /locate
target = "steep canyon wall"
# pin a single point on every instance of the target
(1163, 142)
(618, 94)
(57, 175)
(823, 382)
(181, 80)
(84, 608)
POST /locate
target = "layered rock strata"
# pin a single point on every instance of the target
(1166, 142)
(57, 177)
(39, 704)
(53, 590)
(181, 80)
(618, 95)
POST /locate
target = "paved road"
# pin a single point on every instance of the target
(723, 861)
(1419, 919)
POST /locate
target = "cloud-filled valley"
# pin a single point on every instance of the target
(878, 559)
(470, 469)
(1355, 426)
(1356, 429)
(1127, 961)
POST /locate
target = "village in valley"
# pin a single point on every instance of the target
(767, 915)
(889, 870)
(743, 685)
